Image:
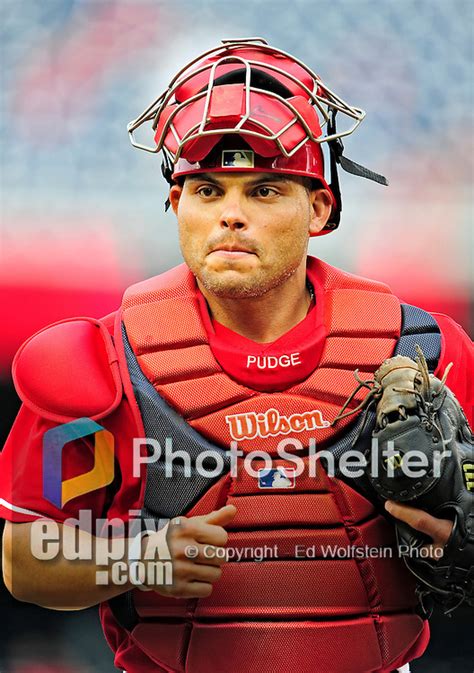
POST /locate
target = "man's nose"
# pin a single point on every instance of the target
(233, 214)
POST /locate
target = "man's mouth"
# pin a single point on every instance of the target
(231, 251)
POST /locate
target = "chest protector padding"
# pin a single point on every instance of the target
(314, 603)
(161, 316)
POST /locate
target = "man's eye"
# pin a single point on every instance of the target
(265, 191)
(206, 191)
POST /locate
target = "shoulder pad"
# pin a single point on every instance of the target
(333, 278)
(69, 370)
(176, 282)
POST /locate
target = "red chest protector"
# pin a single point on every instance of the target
(319, 613)
(164, 327)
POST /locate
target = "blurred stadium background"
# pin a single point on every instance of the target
(82, 213)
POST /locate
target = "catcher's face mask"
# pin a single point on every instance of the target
(273, 102)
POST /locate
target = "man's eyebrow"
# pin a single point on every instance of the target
(270, 177)
(262, 177)
(206, 177)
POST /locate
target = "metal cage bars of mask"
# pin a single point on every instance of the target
(198, 130)
(324, 103)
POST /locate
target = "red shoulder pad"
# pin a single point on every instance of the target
(69, 370)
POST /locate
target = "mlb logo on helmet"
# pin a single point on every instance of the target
(237, 158)
(280, 477)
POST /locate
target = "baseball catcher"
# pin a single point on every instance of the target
(251, 343)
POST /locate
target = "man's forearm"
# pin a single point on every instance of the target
(59, 583)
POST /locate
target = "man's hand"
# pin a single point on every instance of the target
(194, 571)
(439, 530)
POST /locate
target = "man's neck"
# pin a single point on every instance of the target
(266, 318)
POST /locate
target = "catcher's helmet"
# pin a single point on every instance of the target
(246, 106)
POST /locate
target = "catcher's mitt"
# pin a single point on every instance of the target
(424, 457)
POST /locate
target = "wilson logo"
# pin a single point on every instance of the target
(271, 423)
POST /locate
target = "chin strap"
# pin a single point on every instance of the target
(336, 149)
(167, 172)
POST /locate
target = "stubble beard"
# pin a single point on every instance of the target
(242, 286)
(232, 284)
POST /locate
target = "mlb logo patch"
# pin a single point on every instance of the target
(237, 159)
(279, 477)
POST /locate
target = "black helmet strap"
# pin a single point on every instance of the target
(336, 149)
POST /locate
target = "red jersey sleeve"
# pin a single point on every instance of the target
(22, 491)
(457, 347)
(22, 497)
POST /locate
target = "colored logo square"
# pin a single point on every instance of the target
(59, 491)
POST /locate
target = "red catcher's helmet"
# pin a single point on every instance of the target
(246, 106)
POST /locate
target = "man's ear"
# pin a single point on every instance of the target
(321, 204)
(174, 197)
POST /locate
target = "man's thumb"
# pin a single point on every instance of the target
(222, 516)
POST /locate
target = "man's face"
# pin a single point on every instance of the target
(243, 234)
